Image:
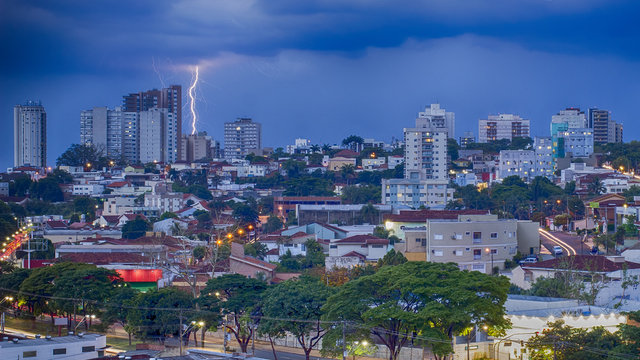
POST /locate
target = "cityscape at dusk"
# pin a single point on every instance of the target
(323, 179)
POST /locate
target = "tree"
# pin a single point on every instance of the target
(347, 172)
(391, 258)
(20, 186)
(554, 287)
(562, 342)
(136, 228)
(87, 156)
(370, 214)
(315, 255)
(157, 313)
(244, 214)
(199, 252)
(363, 194)
(256, 249)
(293, 300)
(118, 308)
(46, 189)
(433, 299)
(274, 223)
(168, 215)
(353, 142)
(596, 186)
(452, 148)
(240, 299)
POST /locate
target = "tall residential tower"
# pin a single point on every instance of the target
(240, 137)
(30, 135)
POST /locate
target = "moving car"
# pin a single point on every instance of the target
(529, 260)
(557, 250)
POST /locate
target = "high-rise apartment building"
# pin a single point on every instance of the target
(570, 134)
(168, 98)
(30, 134)
(425, 152)
(158, 137)
(503, 126)
(439, 118)
(103, 128)
(241, 137)
(196, 147)
(605, 130)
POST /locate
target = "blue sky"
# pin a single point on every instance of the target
(322, 69)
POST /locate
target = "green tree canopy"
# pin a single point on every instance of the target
(83, 155)
(433, 299)
(240, 298)
(296, 299)
(274, 223)
(136, 228)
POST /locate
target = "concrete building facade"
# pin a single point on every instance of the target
(241, 137)
(436, 116)
(30, 135)
(425, 154)
(414, 193)
(503, 126)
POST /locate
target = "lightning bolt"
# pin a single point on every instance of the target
(192, 101)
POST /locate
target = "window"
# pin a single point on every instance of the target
(437, 253)
(59, 351)
(458, 252)
(477, 237)
(29, 354)
(494, 235)
(88, 349)
(376, 246)
(477, 254)
(437, 237)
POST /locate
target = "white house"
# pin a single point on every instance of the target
(73, 347)
(87, 189)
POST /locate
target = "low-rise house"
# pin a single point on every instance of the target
(239, 263)
(336, 163)
(76, 347)
(609, 268)
(295, 244)
(340, 214)
(355, 250)
(88, 189)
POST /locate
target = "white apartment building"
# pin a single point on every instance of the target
(577, 141)
(241, 137)
(503, 126)
(433, 194)
(300, 146)
(438, 117)
(251, 170)
(394, 160)
(158, 129)
(425, 153)
(370, 164)
(521, 163)
(30, 135)
(87, 189)
(103, 128)
(572, 117)
(543, 149)
(118, 205)
(168, 202)
(130, 138)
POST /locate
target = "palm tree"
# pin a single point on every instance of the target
(347, 171)
(596, 186)
(369, 213)
(326, 148)
(315, 148)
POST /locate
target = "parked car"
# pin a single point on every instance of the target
(557, 250)
(529, 260)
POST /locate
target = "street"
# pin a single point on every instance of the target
(570, 244)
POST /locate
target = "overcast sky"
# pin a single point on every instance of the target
(321, 69)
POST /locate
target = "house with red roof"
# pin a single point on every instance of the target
(607, 268)
(356, 250)
(239, 263)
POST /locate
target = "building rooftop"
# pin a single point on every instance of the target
(50, 340)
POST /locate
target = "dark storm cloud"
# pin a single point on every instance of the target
(322, 68)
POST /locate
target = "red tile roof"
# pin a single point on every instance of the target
(356, 254)
(273, 251)
(346, 153)
(362, 239)
(117, 184)
(423, 215)
(583, 263)
(104, 258)
(55, 224)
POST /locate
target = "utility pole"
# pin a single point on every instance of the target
(253, 340)
(180, 331)
(344, 343)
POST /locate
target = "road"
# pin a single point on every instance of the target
(570, 244)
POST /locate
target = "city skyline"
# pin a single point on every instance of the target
(531, 59)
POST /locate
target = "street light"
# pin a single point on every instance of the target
(6, 298)
(490, 251)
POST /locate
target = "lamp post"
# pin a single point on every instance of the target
(6, 298)
(490, 251)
